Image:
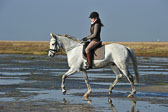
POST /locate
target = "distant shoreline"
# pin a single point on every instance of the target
(41, 48)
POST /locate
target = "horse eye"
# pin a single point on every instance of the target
(53, 44)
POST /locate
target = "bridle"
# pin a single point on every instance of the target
(56, 48)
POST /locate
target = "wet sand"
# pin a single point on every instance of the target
(32, 83)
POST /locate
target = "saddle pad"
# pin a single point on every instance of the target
(99, 54)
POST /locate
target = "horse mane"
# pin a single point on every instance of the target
(70, 37)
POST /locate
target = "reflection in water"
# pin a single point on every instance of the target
(64, 101)
(111, 104)
(115, 110)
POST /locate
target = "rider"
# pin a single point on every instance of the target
(94, 37)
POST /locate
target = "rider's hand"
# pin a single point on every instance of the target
(84, 39)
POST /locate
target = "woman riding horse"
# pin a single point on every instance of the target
(94, 37)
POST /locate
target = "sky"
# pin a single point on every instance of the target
(124, 20)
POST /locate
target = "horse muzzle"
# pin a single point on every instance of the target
(51, 54)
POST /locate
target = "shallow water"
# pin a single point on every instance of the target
(9, 81)
(36, 80)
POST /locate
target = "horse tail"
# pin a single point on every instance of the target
(134, 60)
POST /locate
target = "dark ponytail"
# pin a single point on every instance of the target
(99, 21)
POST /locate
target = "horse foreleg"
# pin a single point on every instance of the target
(87, 84)
(68, 73)
(118, 76)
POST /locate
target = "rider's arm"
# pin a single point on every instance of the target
(95, 32)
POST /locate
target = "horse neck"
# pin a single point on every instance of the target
(68, 44)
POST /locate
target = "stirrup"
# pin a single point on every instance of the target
(87, 66)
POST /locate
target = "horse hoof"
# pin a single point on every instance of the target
(110, 92)
(64, 92)
(85, 96)
(130, 96)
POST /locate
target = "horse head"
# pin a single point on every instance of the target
(54, 45)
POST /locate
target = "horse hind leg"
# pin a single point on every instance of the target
(116, 70)
(131, 80)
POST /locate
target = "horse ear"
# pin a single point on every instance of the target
(52, 35)
(65, 35)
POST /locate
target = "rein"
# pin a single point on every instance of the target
(53, 50)
(70, 48)
(62, 45)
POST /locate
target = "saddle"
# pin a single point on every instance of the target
(97, 54)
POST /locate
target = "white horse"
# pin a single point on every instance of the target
(116, 56)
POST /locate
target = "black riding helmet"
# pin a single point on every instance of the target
(94, 15)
